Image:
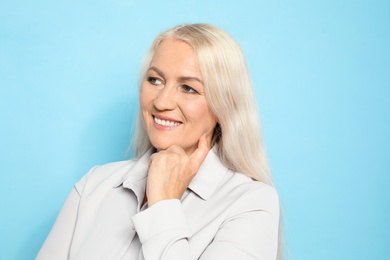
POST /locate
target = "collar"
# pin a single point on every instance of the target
(135, 178)
(209, 176)
(206, 181)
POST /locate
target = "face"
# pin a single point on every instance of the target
(172, 99)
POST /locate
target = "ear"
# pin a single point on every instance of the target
(216, 118)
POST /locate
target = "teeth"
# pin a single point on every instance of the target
(165, 122)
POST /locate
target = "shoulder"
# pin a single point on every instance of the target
(250, 195)
(101, 171)
(105, 175)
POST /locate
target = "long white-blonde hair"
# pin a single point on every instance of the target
(229, 94)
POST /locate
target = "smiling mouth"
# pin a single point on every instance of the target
(165, 122)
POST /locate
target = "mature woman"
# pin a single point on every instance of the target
(199, 187)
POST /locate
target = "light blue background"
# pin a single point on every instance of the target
(321, 69)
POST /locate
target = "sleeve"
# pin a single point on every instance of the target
(58, 242)
(249, 233)
(165, 236)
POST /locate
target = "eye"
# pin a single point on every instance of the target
(154, 81)
(188, 89)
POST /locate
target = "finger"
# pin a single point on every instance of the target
(201, 152)
(176, 149)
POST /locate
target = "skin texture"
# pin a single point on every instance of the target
(173, 91)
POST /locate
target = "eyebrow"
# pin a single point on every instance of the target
(183, 78)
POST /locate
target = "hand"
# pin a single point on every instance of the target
(171, 171)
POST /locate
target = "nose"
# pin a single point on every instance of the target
(166, 98)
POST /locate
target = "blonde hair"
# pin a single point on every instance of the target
(229, 94)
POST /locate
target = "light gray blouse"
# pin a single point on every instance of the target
(222, 215)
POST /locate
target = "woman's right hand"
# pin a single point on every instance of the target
(171, 171)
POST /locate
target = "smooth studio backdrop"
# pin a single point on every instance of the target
(321, 71)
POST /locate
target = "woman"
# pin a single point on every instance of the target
(199, 187)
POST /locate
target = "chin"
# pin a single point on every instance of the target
(162, 145)
(165, 145)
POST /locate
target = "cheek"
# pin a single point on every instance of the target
(201, 115)
(144, 96)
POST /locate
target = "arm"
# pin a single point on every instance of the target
(58, 242)
(163, 231)
(163, 225)
(250, 232)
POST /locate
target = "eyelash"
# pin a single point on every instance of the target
(152, 79)
(185, 88)
(189, 90)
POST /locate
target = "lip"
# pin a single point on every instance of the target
(165, 128)
(162, 117)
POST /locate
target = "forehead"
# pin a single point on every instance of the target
(172, 44)
(176, 55)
